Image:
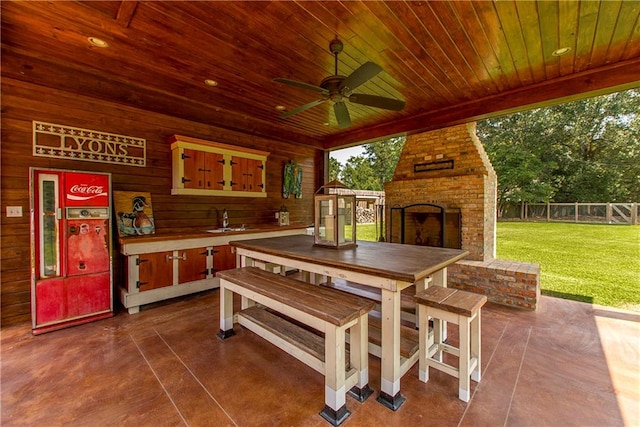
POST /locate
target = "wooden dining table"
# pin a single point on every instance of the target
(390, 267)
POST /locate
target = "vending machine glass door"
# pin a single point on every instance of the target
(49, 243)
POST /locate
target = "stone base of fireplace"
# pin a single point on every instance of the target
(516, 284)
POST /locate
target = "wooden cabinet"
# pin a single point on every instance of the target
(155, 270)
(159, 268)
(246, 174)
(223, 258)
(204, 168)
(192, 264)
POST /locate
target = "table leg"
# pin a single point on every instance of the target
(245, 261)
(439, 278)
(226, 312)
(390, 347)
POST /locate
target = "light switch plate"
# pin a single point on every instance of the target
(14, 211)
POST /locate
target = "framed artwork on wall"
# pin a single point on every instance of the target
(292, 180)
(134, 213)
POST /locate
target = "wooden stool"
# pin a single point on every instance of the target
(458, 307)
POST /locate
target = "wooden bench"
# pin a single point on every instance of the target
(409, 337)
(327, 311)
(407, 301)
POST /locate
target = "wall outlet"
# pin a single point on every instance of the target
(277, 214)
(14, 211)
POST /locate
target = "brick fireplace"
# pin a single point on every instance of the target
(449, 168)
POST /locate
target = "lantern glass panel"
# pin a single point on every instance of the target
(325, 213)
(334, 220)
(346, 219)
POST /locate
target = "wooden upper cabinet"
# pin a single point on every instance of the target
(203, 170)
(246, 174)
(209, 168)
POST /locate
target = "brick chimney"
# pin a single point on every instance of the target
(449, 167)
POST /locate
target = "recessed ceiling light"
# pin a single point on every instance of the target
(561, 51)
(210, 82)
(98, 42)
(280, 107)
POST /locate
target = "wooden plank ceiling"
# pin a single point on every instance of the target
(451, 61)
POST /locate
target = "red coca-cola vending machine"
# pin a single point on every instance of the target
(71, 263)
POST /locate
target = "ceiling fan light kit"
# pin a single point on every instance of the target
(337, 88)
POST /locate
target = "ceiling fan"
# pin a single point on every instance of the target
(337, 88)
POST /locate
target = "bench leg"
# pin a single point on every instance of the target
(476, 374)
(423, 340)
(359, 358)
(226, 312)
(464, 359)
(335, 409)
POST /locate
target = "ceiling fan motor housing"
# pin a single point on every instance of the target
(335, 46)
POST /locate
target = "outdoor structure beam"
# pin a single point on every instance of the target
(614, 78)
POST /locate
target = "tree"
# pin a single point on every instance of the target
(358, 174)
(334, 169)
(523, 176)
(584, 151)
(374, 167)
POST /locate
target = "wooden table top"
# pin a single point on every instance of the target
(407, 263)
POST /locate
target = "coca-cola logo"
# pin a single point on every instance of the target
(87, 189)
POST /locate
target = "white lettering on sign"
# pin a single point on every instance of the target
(84, 188)
(52, 140)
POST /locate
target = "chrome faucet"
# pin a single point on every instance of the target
(225, 219)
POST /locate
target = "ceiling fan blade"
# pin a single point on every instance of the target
(342, 114)
(301, 85)
(360, 76)
(377, 101)
(302, 108)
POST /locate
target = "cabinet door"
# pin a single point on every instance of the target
(190, 165)
(193, 168)
(254, 178)
(223, 258)
(213, 171)
(155, 270)
(246, 174)
(193, 266)
(238, 167)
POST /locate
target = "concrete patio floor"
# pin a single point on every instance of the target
(568, 364)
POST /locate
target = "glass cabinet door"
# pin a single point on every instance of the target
(48, 238)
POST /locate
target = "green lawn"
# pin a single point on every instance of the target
(366, 232)
(584, 262)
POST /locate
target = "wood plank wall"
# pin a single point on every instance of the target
(24, 102)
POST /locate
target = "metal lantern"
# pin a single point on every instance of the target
(335, 217)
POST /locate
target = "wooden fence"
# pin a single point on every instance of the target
(603, 213)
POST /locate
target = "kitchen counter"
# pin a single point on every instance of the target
(171, 264)
(177, 240)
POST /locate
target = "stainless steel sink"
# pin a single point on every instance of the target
(226, 229)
